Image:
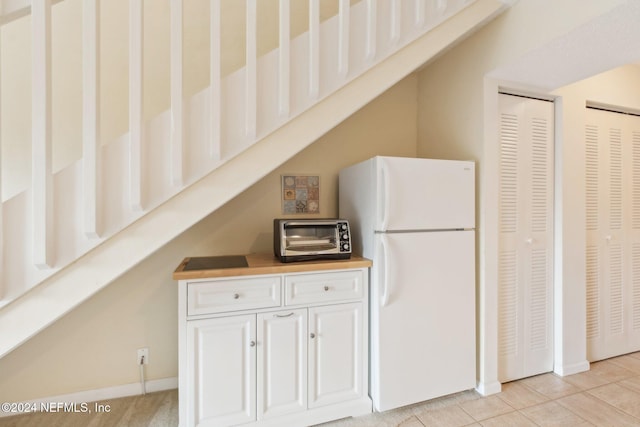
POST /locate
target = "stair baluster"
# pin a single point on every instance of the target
(215, 89)
(90, 102)
(41, 176)
(251, 69)
(177, 109)
(284, 59)
(136, 92)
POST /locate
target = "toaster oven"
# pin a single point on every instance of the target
(310, 239)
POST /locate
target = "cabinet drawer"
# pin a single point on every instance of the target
(232, 295)
(323, 287)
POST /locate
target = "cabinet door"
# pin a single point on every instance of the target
(282, 363)
(222, 371)
(335, 354)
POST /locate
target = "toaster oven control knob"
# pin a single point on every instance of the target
(343, 226)
(345, 236)
(345, 246)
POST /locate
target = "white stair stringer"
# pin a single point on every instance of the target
(68, 287)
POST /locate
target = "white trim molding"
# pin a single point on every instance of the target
(575, 368)
(487, 389)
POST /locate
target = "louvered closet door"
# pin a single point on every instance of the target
(525, 263)
(612, 144)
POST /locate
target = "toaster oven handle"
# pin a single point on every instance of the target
(384, 298)
(298, 223)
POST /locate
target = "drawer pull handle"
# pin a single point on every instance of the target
(326, 288)
(236, 296)
(283, 315)
(252, 343)
(312, 335)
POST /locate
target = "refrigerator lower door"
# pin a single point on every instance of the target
(422, 316)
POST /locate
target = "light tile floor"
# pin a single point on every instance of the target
(606, 395)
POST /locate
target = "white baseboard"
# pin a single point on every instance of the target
(487, 389)
(114, 392)
(575, 368)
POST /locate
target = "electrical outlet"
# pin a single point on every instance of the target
(143, 356)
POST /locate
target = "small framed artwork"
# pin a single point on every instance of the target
(300, 194)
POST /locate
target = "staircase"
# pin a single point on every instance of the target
(72, 232)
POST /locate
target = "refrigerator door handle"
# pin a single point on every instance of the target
(384, 205)
(384, 298)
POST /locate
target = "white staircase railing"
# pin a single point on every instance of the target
(61, 216)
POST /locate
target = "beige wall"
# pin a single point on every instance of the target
(451, 90)
(95, 345)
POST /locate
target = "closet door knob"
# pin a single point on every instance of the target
(312, 335)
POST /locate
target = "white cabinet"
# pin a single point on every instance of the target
(251, 356)
(282, 363)
(222, 369)
(335, 348)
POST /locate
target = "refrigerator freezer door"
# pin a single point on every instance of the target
(422, 317)
(424, 194)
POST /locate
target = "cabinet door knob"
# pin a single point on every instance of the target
(326, 288)
(312, 335)
(236, 296)
(252, 343)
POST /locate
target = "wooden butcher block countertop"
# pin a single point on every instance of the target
(254, 264)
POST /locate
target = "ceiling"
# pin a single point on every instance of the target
(607, 42)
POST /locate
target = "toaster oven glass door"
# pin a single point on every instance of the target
(311, 239)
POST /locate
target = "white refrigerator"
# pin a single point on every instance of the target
(415, 218)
